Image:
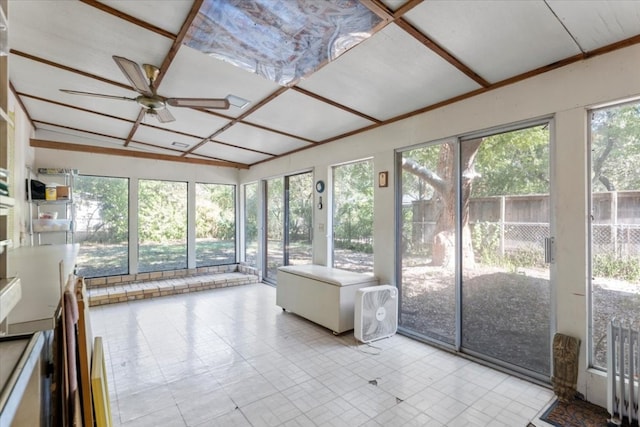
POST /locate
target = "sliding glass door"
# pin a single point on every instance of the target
(475, 218)
(289, 205)
(428, 291)
(615, 222)
(505, 215)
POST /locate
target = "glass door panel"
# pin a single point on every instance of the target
(615, 222)
(274, 237)
(504, 217)
(353, 216)
(299, 219)
(251, 224)
(427, 280)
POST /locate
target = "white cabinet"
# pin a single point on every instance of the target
(51, 221)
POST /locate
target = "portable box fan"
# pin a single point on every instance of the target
(376, 313)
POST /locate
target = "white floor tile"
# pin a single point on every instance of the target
(230, 357)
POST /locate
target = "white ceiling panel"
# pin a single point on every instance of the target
(194, 74)
(496, 39)
(261, 140)
(27, 76)
(192, 122)
(148, 148)
(82, 37)
(53, 133)
(166, 14)
(232, 154)
(303, 116)
(596, 23)
(68, 117)
(162, 138)
(388, 75)
(394, 4)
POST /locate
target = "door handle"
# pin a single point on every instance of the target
(549, 252)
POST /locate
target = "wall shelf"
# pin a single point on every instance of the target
(63, 208)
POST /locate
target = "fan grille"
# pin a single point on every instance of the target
(378, 313)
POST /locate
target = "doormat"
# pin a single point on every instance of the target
(577, 413)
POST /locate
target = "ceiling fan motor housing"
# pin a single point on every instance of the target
(151, 102)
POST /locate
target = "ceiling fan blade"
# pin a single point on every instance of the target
(220, 103)
(134, 74)
(164, 115)
(98, 95)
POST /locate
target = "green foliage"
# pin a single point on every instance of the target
(104, 201)
(485, 237)
(617, 267)
(251, 212)
(162, 211)
(215, 211)
(615, 145)
(513, 163)
(353, 201)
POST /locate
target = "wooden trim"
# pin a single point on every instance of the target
(135, 126)
(70, 69)
(437, 49)
(21, 104)
(42, 122)
(335, 104)
(62, 104)
(173, 50)
(135, 141)
(379, 9)
(215, 141)
(402, 10)
(54, 145)
(147, 26)
(279, 132)
(269, 98)
(262, 102)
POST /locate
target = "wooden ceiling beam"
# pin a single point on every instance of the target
(56, 145)
(402, 10)
(72, 70)
(177, 42)
(335, 104)
(438, 50)
(147, 26)
(24, 108)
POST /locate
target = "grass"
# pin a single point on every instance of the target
(113, 259)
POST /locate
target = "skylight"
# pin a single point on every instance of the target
(281, 40)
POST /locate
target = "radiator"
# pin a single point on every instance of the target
(623, 364)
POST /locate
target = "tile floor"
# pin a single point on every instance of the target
(231, 357)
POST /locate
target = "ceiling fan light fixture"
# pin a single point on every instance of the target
(236, 101)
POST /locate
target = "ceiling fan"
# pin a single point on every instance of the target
(148, 99)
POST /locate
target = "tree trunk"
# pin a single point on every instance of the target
(444, 183)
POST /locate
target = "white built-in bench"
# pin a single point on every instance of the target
(324, 295)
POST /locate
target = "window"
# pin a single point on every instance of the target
(289, 226)
(215, 224)
(353, 216)
(615, 221)
(251, 224)
(472, 275)
(102, 225)
(162, 225)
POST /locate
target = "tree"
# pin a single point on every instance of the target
(105, 204)
(615, 142)
(443, 183)
(503, 164)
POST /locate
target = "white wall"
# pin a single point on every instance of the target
(566, 94)
(22, 156)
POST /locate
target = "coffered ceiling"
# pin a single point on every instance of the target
(416, 56)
